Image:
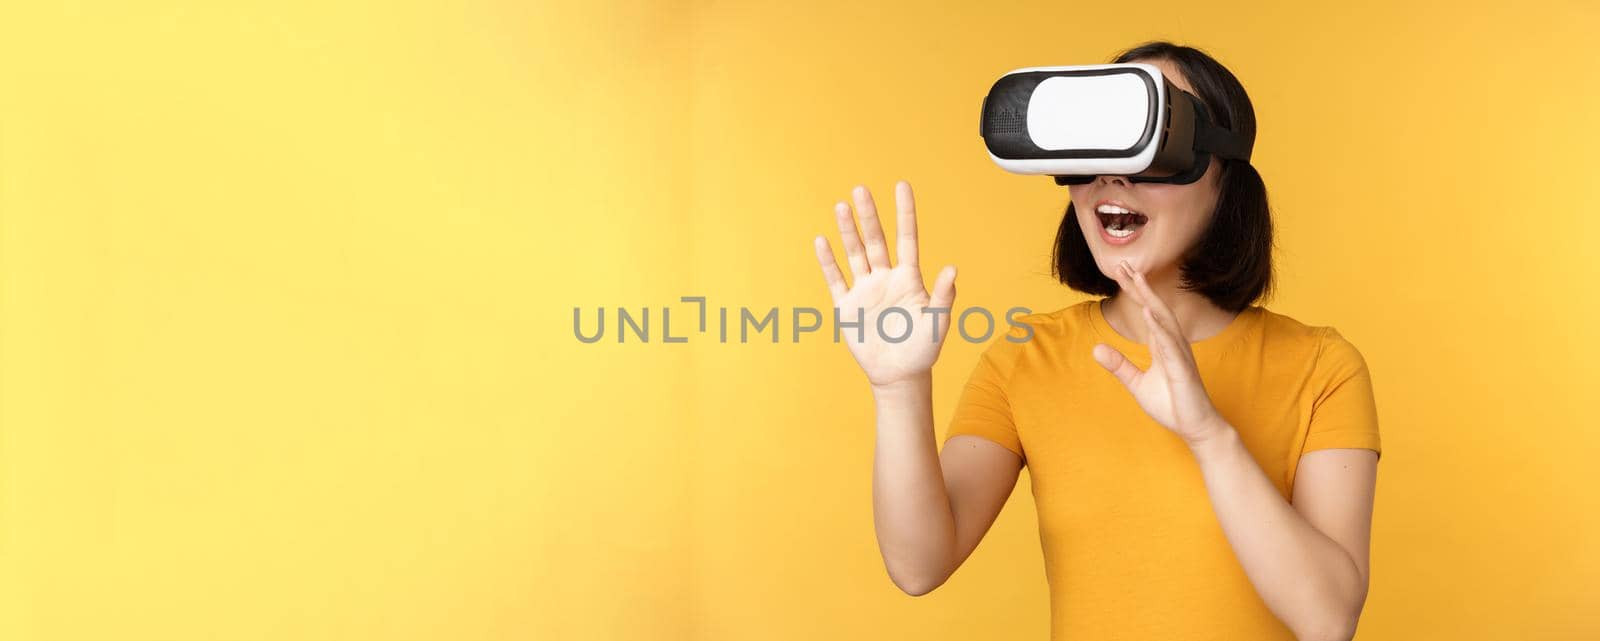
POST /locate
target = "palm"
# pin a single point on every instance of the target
(906, 343)
(1153, 392)
(876, 294)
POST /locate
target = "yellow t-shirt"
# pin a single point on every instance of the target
(1132, 548)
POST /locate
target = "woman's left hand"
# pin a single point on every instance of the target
(1170, 391)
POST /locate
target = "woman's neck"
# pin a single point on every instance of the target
(1199, 317)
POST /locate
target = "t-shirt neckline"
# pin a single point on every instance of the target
(1203, 349)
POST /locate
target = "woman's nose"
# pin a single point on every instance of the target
(1112, 180)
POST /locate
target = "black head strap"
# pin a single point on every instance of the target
(1215, 139)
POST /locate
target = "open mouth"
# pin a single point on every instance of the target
(1120, 222)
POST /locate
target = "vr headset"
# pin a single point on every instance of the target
(1079, 122)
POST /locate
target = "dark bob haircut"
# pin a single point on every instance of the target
(1231, 263)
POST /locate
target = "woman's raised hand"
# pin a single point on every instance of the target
(1170, 391)
(889, 300)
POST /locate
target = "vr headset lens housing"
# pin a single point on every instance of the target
(1079, 122)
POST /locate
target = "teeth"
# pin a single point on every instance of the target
(1120, 222)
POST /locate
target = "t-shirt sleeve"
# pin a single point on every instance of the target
(983, 408)
(1345, 414)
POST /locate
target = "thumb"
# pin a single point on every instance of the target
(944, 288)
(1119, 366)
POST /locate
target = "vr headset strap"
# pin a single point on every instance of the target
(1224, 143)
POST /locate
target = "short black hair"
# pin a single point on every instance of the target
(1231, 264)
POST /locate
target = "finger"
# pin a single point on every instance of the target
(1165, 347)
(871, 229)
(853, 251)
(1153, 337)
(1177, 346)
(1154, 302)
(1168, 321)
(830, 270)
(944, 288)
(1113, 361)
(905, 224)
(1124, 280)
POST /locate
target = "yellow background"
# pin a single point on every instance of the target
(286, 296)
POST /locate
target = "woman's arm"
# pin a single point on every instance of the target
(1309, 560)
(928, 513)
(931, 509)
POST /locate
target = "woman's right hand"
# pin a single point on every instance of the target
(877, 287)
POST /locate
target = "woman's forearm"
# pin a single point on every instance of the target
(1306, 578)
(910, 507)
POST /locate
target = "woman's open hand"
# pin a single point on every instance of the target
(877, 287)
(1170, 391)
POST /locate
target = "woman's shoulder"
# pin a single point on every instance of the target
(1324, 341)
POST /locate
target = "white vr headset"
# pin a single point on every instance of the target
(1079, 122)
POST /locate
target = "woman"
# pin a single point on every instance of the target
(1204, 468)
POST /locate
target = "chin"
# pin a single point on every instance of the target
(1115, 255)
